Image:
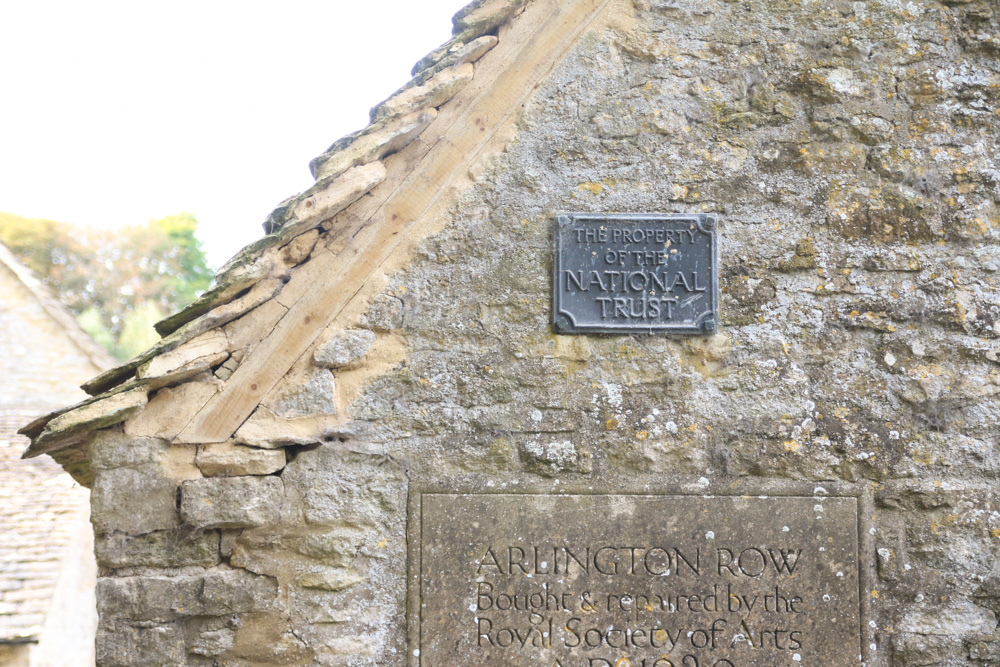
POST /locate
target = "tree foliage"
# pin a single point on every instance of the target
(118, 282)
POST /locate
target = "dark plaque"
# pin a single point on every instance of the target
(619, 273)
(638, 581)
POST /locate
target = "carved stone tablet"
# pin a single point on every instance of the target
(618, 273)
(638, 581)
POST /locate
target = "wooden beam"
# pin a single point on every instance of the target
(533, 44)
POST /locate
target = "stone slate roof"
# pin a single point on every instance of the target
(351, 168)
(40, 508)
(55, 310)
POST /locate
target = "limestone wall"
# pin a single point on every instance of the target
(849, 149)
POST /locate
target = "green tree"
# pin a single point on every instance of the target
(91, 321)
(115, 281)
(137, 333)
(186, 248)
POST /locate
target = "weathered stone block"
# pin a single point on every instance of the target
(888, 214)
(166, 548)
(264, 430)
(135, 483)
(551, 457)
(310, 605)
(961, 619)
(330, 579)
(265, 639)
(232, 502)
(913, 650)
(72, 426)
(385, 314)
(113, 449)
(871, 129)
(326, 548)
(327, 198)
(480, 17)
(341, 649)
(334, 487)
(344, 348)
(433, 93)
(377, 142)
(236, 591)
(232, 460)
(210, 636)
(127, 646)
(312, 397)
(452, 53)
(988, 652)
(272, 550)
(146, 598)
(298, 250)
(155, 598)
(213, 642)
(133, 500)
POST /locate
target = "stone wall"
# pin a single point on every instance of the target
(849, 149)
(263, 560)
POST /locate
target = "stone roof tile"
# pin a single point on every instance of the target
(38, 505)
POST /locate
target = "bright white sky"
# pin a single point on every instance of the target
(118, 112)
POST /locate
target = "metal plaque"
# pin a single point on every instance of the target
(648, 273)
(638, 581)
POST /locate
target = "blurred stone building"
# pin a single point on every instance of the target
(47, 570)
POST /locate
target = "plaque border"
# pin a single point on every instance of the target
(563, 321)
(644, 484)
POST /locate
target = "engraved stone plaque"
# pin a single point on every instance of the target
(620, 273)
(638, 581)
